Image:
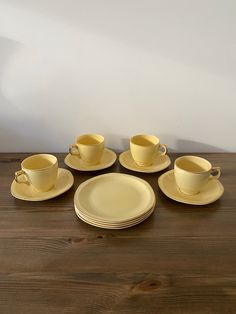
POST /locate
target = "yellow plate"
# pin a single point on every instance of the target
(89, 218)
(131, 221)
(160, 163)
(26, 192)
(114, 226)
(114, 198)
(209, 194)
(107, 160)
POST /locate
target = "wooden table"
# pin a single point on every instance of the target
(181, 260)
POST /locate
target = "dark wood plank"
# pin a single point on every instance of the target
(100, 293)
(181, 260)
(113, 253)
(59, 221)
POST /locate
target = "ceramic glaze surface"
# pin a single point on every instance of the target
(108, 159)
(114, 197)
(119, 225)
(211, 192)
(89, 147)
(192, 173)
(64, 182)
(40, 171)
(160, 163)
(144, 149)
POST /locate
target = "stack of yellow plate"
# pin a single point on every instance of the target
(114, 201)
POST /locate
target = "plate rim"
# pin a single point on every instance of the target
(115, 226)
(82, 185)
(152, 209)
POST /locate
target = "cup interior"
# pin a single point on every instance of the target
(145, 140)
(39, 162)
(90, 139)
(193, 164)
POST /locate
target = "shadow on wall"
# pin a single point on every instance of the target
(193, 146)
(8, 111)
(20, 132)
(12, 133)
(115, 140)
(152, 24)
(8, 48)
(181, 145)
(12, 117)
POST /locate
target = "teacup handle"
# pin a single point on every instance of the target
(73, 150)
(162, 149)
(20, 173)
(218, 173)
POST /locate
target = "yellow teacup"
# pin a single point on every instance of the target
(144, 149)
(192, 173)
(40, 171)
(89, 147)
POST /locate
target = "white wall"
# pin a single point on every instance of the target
(117, 68)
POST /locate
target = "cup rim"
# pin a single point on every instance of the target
(39, 155)
(90, 134)
(133, 138)
(196, 158)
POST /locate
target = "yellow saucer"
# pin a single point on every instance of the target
(209, 194)
(107, 160)
(26, 192)
(160, 163)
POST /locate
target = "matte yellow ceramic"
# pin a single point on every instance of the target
(128, 222)
(160, 163)
(144, 149)
(114, 198)
(108, 159)
(40, 171)
(114, 225)
(211, 192)
(192, 173)
(26, 192)
(88, 147)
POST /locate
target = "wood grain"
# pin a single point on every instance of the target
(116, 293)
(181, 260)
